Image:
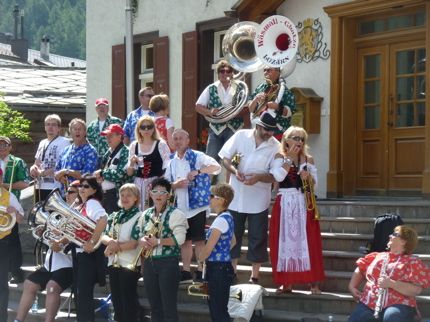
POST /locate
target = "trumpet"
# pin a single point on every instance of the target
(202, 290)
(308, 190)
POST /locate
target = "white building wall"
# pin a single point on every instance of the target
(105, 28)
(172, 18)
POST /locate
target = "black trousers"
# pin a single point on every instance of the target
(15, 251)
(123, 285)
(4, 274)
(161, 281)
(110, 201)
(85, 279)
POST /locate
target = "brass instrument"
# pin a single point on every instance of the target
(63, 221)
(7, 221)
(271, 95)
(154, 231)
(230, 111)
(115, 236)
(308, 190)
(202, 290)
(235, 160)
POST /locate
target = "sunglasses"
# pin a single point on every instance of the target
(146, 127)
(395, 234)
(159, 192)
(216, 197)
(69, 192)
(225, 71)
(297, 138)
(85, 186)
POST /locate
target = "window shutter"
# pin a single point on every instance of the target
(118, 107)
(161, 65)
(189, 85)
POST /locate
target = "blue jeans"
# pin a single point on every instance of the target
(393, 313)
(215, 142)
(219, 276)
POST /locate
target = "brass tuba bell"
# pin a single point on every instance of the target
(7, 221)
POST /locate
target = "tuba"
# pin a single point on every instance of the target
(64, 221)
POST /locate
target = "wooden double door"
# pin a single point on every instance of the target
(390, 116)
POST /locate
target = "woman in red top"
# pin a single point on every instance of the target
(159, 104)
(394, 277)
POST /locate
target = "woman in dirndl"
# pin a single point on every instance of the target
(294, 234)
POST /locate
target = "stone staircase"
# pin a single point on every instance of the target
(345, 226)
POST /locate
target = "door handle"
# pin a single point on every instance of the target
(390, 123)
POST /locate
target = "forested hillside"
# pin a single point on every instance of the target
(63, 21)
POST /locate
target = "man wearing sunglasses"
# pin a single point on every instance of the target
(145, 95)
(251, 181)
(213, 99)
(188, 171)
(274, 95)
(96, 127)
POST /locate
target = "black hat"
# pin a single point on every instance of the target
(267, 121)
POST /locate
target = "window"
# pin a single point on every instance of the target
(146, 75)
(392, 23)
(218, 54)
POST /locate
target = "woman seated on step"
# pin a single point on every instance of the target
(55, 275)
(393, 280)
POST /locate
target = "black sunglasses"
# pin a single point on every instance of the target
(86, 186)
(225, 71)
(146, 127)
(71, 191)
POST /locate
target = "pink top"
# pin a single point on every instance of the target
(403, 268)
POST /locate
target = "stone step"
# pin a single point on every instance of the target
(199, 312)
(364, 225)
(405, 207)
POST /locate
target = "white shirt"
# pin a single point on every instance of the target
(279, 173)
(221, 224)
(13, 202)
(59, 260)
(178, 169)
(95, 211)
(163, 149)
(50, 152)
(225, 95)
(255, 198)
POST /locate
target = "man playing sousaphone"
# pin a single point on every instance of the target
(213, 99)
(273, 95)
(10, 211)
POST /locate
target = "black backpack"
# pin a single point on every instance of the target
(384, 226)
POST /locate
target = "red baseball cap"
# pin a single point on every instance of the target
(102, 101)
(113, 128)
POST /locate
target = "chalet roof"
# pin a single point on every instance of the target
(41, 86)
(34, 58)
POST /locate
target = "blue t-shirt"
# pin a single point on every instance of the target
(131, 121)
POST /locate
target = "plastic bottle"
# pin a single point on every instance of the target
(35, 306)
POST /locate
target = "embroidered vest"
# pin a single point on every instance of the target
(215, 102)
(166, 232)
(199, 189)
(152, 163)
(221, 251)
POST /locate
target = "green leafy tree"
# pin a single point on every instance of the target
(13, 124)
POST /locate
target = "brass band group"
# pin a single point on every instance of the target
(137, 199)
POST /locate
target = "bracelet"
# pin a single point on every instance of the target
(158, 241)
(92, 242)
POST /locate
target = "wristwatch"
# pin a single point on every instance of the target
(288, 161)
